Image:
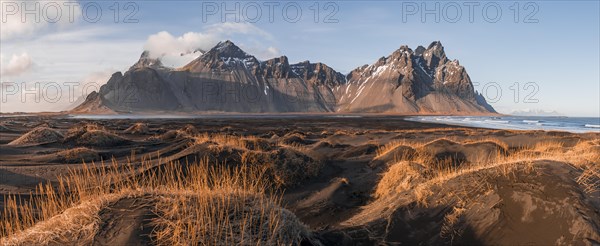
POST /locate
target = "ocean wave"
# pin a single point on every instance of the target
(498, 121)
(517, 123)
(548, 124)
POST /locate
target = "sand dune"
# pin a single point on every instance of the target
(37, 136)
(316, 181)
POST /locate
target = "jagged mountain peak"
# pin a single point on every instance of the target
(227, 57)
(419, 50)
(145, 54)
(224, 55)
(405, 48)
(146, 61)
(434, 55)
(435, 49)
(226, 43)
(436, 44)
(404, 53)
(318, 73)
(228, 49)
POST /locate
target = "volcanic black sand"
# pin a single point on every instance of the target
(357, 180)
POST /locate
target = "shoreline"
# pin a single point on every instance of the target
(496, 121)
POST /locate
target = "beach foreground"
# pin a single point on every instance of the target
(310, 180)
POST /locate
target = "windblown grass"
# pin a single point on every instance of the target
(386, 148)
(240, 142)
(195, 204)
(400, 176)
(419, 172)
(287, 164)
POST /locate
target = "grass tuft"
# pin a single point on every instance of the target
(195, 204)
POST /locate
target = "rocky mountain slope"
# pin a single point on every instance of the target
(227, 79)
(407, 81)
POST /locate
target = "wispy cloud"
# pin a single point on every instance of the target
(15, 24)
(17, 65)
(89, 54)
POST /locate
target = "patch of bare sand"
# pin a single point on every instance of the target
(126, 221)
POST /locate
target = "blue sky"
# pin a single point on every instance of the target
(558, 56)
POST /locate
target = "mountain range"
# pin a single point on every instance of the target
(535, 112)
(227, 79)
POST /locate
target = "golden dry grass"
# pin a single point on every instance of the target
(541, 151)
(217, 218)
(288, 164)
(240, 142)
(386, 148)
(196, 204)
(450, 228)
(221, 139)
(395, 190)
(402, 176)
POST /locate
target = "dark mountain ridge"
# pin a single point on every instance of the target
(227, 79)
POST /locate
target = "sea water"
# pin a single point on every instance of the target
(547, 123)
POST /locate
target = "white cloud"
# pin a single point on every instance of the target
(178, 51)
(17, 65)
(16, 24)
(79, 56)
(163, 43)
